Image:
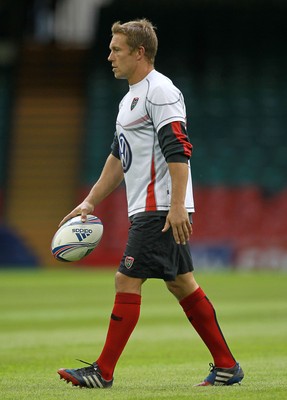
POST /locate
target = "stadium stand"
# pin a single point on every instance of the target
(47, 147)
(5, 107)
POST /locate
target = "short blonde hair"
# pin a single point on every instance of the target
(139, 32)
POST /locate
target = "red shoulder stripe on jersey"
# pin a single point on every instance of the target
(150, 204)
(181, 137)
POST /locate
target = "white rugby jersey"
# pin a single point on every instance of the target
(149, 105)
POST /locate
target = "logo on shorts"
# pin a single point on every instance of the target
(129, 262)
(134, 103)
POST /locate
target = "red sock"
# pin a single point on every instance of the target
(123, 320)
(202, 316)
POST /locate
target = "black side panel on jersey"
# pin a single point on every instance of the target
(115, 147)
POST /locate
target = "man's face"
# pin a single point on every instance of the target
(123, 59)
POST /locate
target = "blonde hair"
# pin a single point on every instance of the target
(139, 32)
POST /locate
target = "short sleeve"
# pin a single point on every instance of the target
(165, 104)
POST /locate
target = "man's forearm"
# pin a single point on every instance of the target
(179, 177)
(110, 179)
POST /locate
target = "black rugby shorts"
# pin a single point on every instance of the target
(152, 254)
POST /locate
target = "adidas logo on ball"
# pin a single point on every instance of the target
(82, 233)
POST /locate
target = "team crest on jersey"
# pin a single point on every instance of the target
(134, 103)
(129, 262)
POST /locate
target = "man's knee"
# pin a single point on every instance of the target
(182, 286)
(127, 284)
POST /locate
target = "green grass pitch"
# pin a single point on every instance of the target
(49, 319)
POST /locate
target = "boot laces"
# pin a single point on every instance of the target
(87, 370)
(211, 367)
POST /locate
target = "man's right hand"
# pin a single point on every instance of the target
(82, 209)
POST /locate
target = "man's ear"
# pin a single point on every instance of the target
(140, 53)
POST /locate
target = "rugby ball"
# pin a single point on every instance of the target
(76, 239)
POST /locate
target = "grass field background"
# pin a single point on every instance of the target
(49, 319)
